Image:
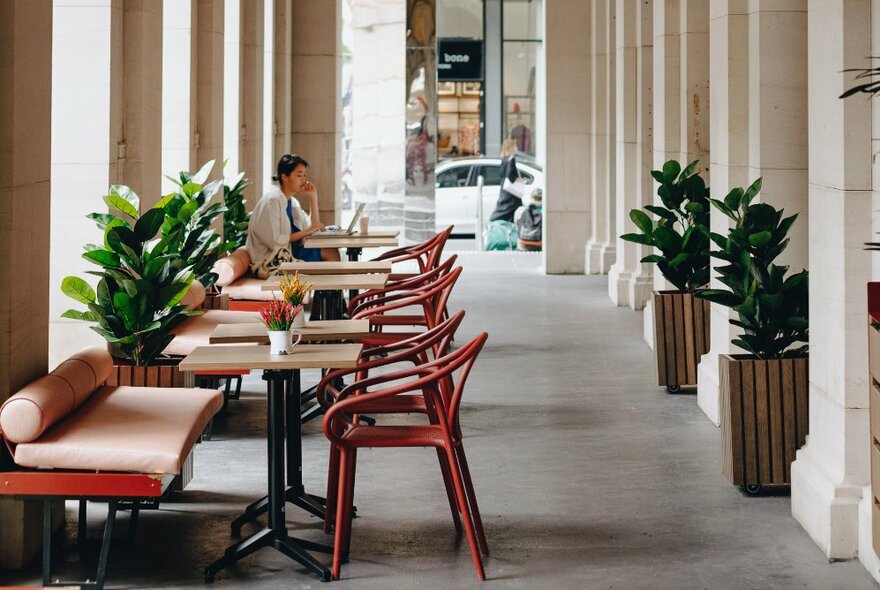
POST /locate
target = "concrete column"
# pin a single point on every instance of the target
(25, 129)
(207, 75)
(681, 98)
(629, 282)
(602, 245)
(377, 143)
(759, 76)
(136, 98)
(250, 145)
(831, 475)
(282, 124)
(317, 97)
(567, 135)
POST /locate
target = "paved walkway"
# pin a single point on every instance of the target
(588, 475)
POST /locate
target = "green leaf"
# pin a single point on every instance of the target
(643, 239)
(760, 239)
(689, 170)
(103, 258)
(120, 203)
(173, 293)
(723, 208)
(187, 210)
(675, 262)
(660, 212)
(641, 221)
(752, 191)
(78, 290)
(73, 314)
(671, 170)
(115, 222)
(149, 224)
(693, 207)
(734, 198)
(123, 307)
(652, 259)
(202, 175)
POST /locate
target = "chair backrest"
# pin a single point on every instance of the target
(436, 252)
(452, 389)
(411, 284)
(426, 253)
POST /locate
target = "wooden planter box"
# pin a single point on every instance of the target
(681, 336)
(215, 300)
(164, 373)
(764, 418)
(874, 406)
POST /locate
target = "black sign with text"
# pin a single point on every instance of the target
(459, 60)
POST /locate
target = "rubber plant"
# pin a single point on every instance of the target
(236, 217)
(680, 232)
(136, 303)
(772, 308)
(188, 224)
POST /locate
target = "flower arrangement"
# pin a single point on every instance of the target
(279, 315)
(293, 290)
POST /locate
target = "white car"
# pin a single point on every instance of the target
(456, 190)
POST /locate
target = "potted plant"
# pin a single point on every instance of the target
(236, 217)
(188, 228)
(294, 291)
(278, 317)
(764, 393)
(136, 303)
(680, 238)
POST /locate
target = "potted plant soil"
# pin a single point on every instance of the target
(136, 303)
(680, 237)
(764, 392)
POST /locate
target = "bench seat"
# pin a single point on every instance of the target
(129, 429)
(197, 330)
(247, 289)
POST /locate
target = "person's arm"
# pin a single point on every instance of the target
(269, 224)
(313, 223)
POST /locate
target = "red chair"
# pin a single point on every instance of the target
(412, 350)
(427, 254)
(345, 433)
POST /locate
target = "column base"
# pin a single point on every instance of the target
(640, 288)
(598, 258)
(618, 286)
(828, 511)
(867, 555)
(648, 325)
(607, 257)
(708, 398)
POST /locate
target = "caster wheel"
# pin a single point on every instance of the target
(752, 489)
(673, 388)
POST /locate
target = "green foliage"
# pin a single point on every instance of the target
(137, 300)
(681, 230)
(187, 225)
(772, 308)
(235, 220)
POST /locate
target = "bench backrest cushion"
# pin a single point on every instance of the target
(195, 296)
(232, 267)
(30, 412)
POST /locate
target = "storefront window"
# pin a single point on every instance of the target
(522, 36)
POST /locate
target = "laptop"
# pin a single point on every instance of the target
(335, 230)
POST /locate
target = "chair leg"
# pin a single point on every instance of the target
(472, 499)
(349, 502)
(332, 485)
(465, 511)
(450, 491)
(342, 520)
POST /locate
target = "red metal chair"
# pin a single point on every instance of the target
(345, 433)
(413, 350)
(427, 254)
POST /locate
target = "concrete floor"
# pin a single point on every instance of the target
(588, 475)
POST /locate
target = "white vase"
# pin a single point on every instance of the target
(300, 320)
(279, 341)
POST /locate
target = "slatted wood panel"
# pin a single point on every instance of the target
(216, 301)
(165, 375)
(764, 417)
(681, 324)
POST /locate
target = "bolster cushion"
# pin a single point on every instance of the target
(231, 267)
(195, 296)
(196, 331)
(30, 412)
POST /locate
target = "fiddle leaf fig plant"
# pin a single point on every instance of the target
(136, 302)
(680, 230)
(188, 224)
(236, 217)
(772, 308)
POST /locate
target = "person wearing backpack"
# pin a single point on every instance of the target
(528, 223)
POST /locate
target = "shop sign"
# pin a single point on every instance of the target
(459, 60)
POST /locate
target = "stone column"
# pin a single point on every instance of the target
(759, 76)
(178, 88)
(250, 144)
(25, 129)
(231, 86)
(207, 75)
(832, 470)
(601, 247)
(282, 124)
(316, 97)
(567, 135)
(629, 282)
(136, 98)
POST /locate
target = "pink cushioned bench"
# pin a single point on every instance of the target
(71, 436)
(245, 292)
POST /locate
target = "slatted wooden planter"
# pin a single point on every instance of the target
(874, 405)
(215, 300)
(764, 418)
(681, 337)
(163, 373)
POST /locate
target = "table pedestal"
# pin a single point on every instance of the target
(275, 535)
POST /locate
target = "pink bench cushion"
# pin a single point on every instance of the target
(231, 267)
(30, 412)
(248, 289)
(137, 429)
(195, 296)
(197, 330)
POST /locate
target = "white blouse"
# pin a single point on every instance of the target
(269, 228)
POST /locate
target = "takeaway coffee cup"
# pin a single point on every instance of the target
(365, 224)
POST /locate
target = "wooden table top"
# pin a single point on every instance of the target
(343, 267)
(352, 241)
(248, 356)
(368, 235)
(318, 330)
(337, 282)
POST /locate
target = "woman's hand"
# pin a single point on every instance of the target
(309, 190)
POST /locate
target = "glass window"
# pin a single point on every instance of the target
(523, 19)
(491, 175)
(520, 65)
(460, 18)
(454, 177)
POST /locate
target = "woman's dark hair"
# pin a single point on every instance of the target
(288, 164)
